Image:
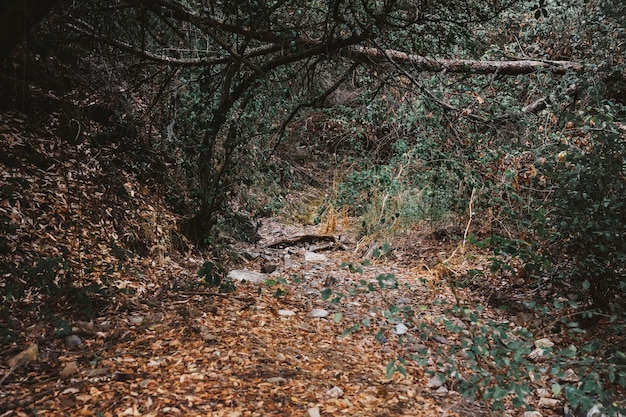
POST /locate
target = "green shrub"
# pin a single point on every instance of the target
(589, 208)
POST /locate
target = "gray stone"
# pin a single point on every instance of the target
(400, 329)
(435, 382)
(314, 257)
(441, 340)
(312, 412)
(286, 313)
(248, 276)
(278, 380)
(318, 313)
(335, 392)
(544, 343)
(73, 342)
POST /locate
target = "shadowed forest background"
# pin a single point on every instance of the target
(135, 133)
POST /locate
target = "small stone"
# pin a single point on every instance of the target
(136, 320)
(335, 392)
(318, 313)
(306, 327)
(286, 313)
(247, 276)
(400, 329)
(73, 342)
(314, 257)
(544, 343)
(532, 414)
(278, 380)
(441, 340)
(435, 382)
(596, 411)
(441, 390)
(458, 323)
(570, 376)
(417, 348)
(312, 412)
(251, 256)
(536, 354)
(544, 393)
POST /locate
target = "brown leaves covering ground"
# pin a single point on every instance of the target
(151, 348)
(187, 353)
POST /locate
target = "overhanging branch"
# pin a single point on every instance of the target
(421, 63)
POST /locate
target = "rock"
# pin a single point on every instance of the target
(596, 411)
(248, 276)
(458, 323)
(544, 343)
(417, 348)
(277, 380)
(570, 376)
(251, 256)
(306, 327)
(536, 354)
(73, 342)
(269, 268)
(312, 412)
(442, 390)
(441, 340)
(400, 329)
(136, 320)
(436, 382)
(548, 402)
(314, 257)
(286, 313)
(544, 393)
(318, 313)
(532, 414)
(335, 392)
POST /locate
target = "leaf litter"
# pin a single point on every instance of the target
(155, 348)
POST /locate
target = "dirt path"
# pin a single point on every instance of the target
(254, 352)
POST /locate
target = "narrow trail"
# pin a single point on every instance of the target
(254, 352)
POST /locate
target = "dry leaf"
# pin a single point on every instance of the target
(24, 357)
(70, 369)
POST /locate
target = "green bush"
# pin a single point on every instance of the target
(589, 208)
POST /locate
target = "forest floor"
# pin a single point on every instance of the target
(256, 351)
(320, 332)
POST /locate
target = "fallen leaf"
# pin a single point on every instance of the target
(70, 369)
(24, 357)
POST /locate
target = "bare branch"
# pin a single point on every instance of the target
(421, 63)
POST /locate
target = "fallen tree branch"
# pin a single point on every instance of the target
(302, 239)
(421, 63)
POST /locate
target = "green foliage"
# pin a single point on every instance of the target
(396, 365)
(214, 276)
(589, 211)
(279, 285)
(495, 361)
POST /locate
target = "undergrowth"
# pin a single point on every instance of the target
(494, 360)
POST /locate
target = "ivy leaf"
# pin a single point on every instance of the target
(326, 293)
